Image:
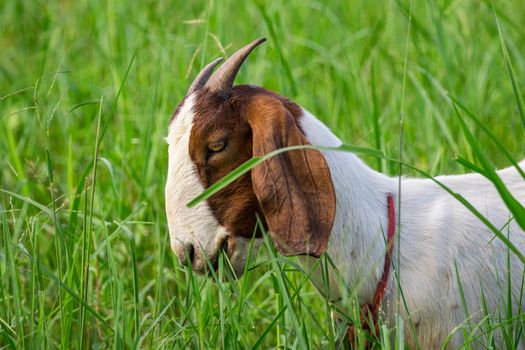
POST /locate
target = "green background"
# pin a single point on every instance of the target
(70, 68)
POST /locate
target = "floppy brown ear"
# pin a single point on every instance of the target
(294, 189)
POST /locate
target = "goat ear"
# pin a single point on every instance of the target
(294, 189)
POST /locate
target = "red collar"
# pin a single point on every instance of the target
(369, 311)
(383, 282)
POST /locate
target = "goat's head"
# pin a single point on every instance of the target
(215, 129)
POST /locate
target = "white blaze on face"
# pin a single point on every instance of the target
(196, 226)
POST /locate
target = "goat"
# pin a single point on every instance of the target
(314, 201)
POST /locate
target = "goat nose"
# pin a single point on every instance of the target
(185, 252)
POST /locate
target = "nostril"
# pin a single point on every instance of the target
(224, 246)
(189, 253)
(185, 252)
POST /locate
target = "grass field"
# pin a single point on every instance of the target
(84, 251)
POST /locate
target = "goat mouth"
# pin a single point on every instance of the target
(209, 265)
(222, 254)
(214, 272)
(213, 266)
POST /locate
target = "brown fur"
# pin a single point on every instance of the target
(293, 192)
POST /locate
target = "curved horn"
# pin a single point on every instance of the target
(204, 75)
(222, 79)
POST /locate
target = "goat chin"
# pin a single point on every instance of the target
(436, 234)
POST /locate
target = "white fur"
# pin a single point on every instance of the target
(436, 230)
(196, 226)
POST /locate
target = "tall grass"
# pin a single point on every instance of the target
(86, 92)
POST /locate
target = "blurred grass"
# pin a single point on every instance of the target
(74, 249)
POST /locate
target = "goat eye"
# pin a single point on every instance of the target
(216, 146)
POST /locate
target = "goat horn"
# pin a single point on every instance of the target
(204, 75)
(222, 79)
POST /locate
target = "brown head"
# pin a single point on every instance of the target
(216, 128)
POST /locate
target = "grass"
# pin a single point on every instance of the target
(86, 93)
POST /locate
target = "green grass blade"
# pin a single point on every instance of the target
(514, 206)
(494, 139)
(254, 161)
(510, 70)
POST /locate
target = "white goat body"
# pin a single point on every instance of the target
(437, 232)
